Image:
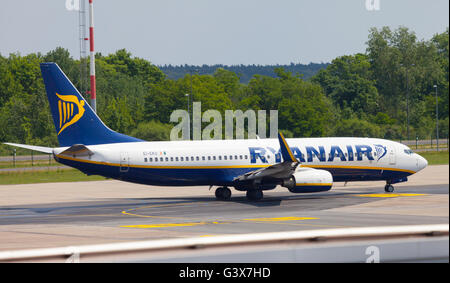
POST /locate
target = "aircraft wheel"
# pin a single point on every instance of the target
(254, 195)
(223, 193)
(389, 188)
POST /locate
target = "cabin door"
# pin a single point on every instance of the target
(392, 156)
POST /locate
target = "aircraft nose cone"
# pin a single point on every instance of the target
(422, 162)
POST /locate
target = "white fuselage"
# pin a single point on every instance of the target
(218, 162)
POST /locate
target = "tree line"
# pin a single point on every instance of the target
(371, 94)
(244, 72)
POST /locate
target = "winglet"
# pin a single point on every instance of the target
(285, 150)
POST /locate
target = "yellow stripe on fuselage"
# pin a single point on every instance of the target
(358, 167)
(313, 184)
(229, 166)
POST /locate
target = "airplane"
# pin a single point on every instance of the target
(302, 165)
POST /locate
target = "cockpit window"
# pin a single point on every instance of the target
(408, 151)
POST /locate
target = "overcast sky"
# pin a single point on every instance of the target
(216, 32)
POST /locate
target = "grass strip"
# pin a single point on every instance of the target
(45, 176)
(435, 157)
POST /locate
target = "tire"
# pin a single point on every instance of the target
(223, 193)
(389, 188)
(226, 194)
(219, 193)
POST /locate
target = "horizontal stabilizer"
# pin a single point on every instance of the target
(32, 147)
(78, 149)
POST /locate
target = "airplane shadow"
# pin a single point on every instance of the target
(267, 201)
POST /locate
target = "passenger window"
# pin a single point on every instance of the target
(161, 159)
(145, 159)
(220, 157)
(176, 158)
(231, 157)
(224, 157)
(240, 157)
(214, 157)
(182, 158)
(151, 159)
(197, 158)
(192, 158)
(171, 159)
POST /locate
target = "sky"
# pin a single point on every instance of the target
(210, 32)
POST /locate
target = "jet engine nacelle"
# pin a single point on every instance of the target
(309, 180)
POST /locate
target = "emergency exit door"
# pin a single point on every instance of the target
(124, 162)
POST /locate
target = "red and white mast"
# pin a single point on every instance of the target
(92, 56)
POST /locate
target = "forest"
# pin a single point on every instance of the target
(389, 91)
(244, 72)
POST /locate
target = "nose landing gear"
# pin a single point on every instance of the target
(389, 188)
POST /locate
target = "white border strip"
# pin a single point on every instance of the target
(257, 238)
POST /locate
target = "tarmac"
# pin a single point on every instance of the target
(80, 213)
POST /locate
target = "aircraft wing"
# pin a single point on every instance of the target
(281, 170)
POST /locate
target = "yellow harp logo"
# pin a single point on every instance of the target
(67, 115)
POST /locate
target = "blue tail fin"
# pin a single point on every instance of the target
(75, 121)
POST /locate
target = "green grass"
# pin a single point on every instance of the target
(435, 157)
(30, 177)
(27, 163)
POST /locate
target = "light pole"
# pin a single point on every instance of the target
(189, 115)
(187, 95)
(407, 97)
(437, 119)
(407, 105)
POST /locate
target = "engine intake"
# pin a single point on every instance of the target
(309, 180)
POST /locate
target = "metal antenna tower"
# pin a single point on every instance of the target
(83, 52)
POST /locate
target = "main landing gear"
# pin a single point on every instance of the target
(223, 193)
(389, 188)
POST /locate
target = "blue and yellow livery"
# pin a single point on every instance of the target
(302, 165)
